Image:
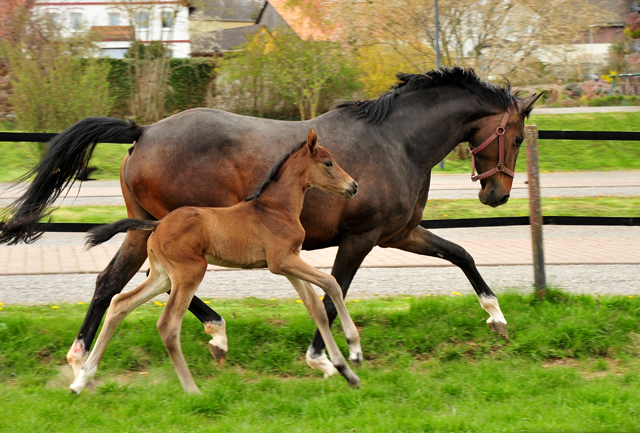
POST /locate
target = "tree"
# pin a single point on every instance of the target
(280, 67)
(56, 80)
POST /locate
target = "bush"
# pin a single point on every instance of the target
(614, 100)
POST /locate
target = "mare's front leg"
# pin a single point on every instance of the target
(421, 241)
(319, 316)
(351, 253)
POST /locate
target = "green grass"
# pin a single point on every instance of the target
(436, 209)
(18, 158)
(430, 365)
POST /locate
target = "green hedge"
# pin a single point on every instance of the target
(614, 100)
(188, 85)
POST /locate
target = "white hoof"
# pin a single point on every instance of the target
(322, 363)
(218, 345)
(81, 381)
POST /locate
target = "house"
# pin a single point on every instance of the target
(223, 35)
(118, 23)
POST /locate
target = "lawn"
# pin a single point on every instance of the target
(431, 364)
(18, 158)
(436, 209)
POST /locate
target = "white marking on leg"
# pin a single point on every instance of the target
(491, 306)
(77, 356)
(84, 376)
(321, 362)
(218, 331)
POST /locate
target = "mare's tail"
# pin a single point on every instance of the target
(68, 153)
(100, 234)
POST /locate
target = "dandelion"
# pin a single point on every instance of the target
(298, 301)
(356, 300)
(456, 293)
(55, 307)
(427, 295)
(630, 296)
(207, 302)
(521, 214)
(80, 303)
(272, 299)
(159, 304)
(1, 308)
(1, 304)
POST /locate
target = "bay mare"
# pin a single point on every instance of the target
(206, 157)
(263, 231)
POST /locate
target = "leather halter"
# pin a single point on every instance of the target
(499, 133)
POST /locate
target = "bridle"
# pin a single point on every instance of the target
(499, 133)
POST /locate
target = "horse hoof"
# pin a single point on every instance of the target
(356, 359)
(218, 353)
(500, 328)
(322, 363)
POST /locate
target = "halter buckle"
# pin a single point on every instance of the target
(500, 166)
(500, 130)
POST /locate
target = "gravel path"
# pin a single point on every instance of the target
(370, 282)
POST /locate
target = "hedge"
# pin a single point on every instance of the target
(188, 83)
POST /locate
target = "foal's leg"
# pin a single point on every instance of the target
(121, 305)
(294, 266)
(319, 316)
(185, 279)
(351, 253)
(421, 241)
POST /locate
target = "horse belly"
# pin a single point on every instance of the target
(238, 263)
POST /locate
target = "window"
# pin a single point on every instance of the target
(142, 20)
(53, 18)
(167, 19)
(76, 21)
(114, 19)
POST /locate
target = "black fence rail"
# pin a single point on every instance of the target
(429, 224)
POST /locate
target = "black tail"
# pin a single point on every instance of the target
(68, 153)
(101, 234)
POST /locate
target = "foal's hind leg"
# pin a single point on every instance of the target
(121, 305)
(421, 241)
(185, 279)
(319, 316)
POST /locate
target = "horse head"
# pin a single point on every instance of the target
(494, 150)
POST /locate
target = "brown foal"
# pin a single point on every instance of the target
(263, 231)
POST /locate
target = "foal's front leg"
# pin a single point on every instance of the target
(319, 316)
(421, 241)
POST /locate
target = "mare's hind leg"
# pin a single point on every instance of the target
(421, 241)
(185, 280)
(121, 305)
(319, 316)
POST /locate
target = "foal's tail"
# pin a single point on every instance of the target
(101, 234)
(68, 153)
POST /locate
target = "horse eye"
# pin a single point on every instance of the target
(329, 164)
(519, 141)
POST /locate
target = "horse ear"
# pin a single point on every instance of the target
(312, 139)
(526, 105)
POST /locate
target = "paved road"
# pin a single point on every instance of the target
(443, 186)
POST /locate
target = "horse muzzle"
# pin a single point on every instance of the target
(352, 190)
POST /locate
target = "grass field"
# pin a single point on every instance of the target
(431, 364)
(17, 158)
(436, 209)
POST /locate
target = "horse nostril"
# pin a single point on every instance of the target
(355, 185)
(504, 199)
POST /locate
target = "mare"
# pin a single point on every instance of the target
(205, 157)
(263, 231)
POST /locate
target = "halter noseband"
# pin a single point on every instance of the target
(500, 130)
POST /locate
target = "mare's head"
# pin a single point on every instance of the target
(495, 144)
(323, 171)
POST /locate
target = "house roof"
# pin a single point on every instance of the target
(209, 43)
(113, 33)
(298, 20)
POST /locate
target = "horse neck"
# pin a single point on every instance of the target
(291, 186)
(431, 123)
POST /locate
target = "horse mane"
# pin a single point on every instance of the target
(271, 175)
(376, 110)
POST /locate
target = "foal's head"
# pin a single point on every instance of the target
(322, 170)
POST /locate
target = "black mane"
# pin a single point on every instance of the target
(376, 110)
(271, 176)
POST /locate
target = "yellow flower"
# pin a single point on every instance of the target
(272, 299)
(456, 293)
(55, 307)
(356, 300)
(1, 304)
(1, 308)
(298, 301)
(159, 304)
(80, 303)
(630, 296)
(207, 302)
(427, 294)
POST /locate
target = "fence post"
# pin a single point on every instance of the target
(535, 211)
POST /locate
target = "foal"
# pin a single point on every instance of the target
(263, 231)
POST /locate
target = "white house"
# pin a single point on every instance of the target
(119, 22)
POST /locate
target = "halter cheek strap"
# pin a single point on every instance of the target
(499, 133)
